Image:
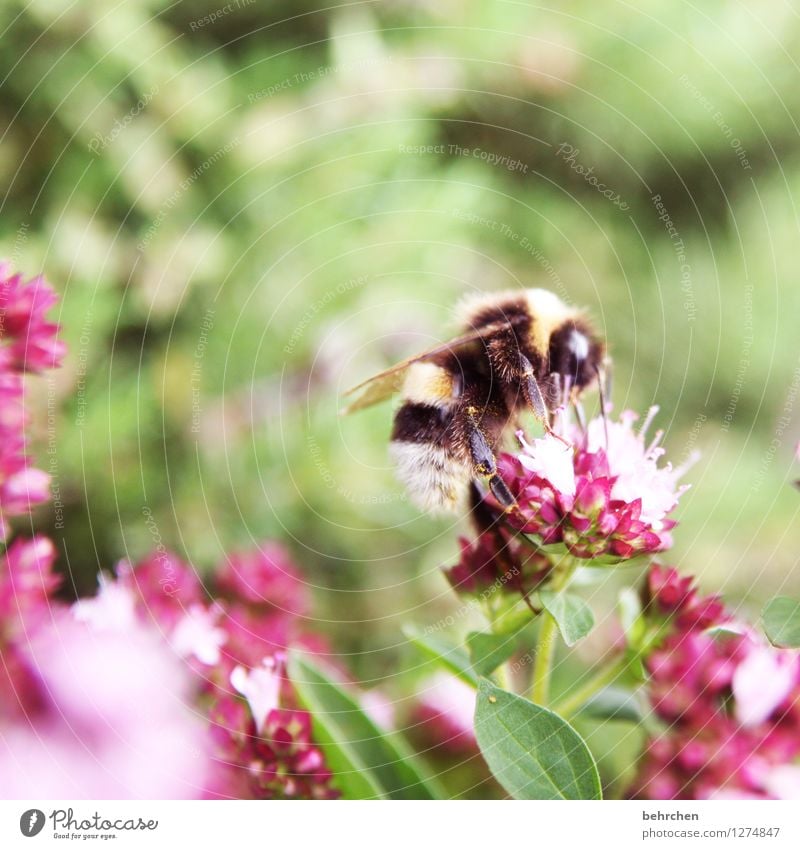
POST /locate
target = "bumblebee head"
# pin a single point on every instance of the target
(576, 354)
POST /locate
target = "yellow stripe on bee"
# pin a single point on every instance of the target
(549, 312)
(427, 383)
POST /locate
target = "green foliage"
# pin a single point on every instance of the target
(445, 654)
(532, 752)
(368, 763)
(573, 616)
(613, 703)
(781, 619)
(488, 651)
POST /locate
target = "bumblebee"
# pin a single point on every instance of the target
(519, 350)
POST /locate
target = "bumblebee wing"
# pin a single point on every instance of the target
(382, 386)
(376, 389)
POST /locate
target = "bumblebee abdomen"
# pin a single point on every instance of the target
(435, 476)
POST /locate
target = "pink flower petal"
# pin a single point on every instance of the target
(551, 459)
(761, 682)
(261, 687)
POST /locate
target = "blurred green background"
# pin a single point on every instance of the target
(248, 208)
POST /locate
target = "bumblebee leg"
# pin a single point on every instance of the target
(534, 397)
(533, 394)
(483, 461)
(602, 394)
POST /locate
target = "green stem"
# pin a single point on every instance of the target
(546, 644)
(568, 706)
(543, 661)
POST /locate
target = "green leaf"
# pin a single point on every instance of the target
(531, 751)
(367, 763)
(488, 651)
(573, 616)
(781, 619)
(445, 653)
(613, 703)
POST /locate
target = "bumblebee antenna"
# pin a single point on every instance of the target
(602, 394)
(580, 415)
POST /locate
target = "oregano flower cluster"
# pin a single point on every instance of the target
(727, 702)
(724, 703)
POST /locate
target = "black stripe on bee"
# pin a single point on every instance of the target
(515, 311)
(419, 423)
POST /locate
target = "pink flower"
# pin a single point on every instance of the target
(783, 782)
(197, 635)
(30, 341)
(634, 464)
(112, 608)
(27, 343)
(262, 750)
(256, 616)
(24, 488)
(261, 687)
(600, 500)
(443, 714)
(379, 708)
(164, 586)
(265, 577)
(253, 634)
(672, 595)
(551, 460)
(494, 562)
(729, 702)
(763, 681)
(106, 700)
(21, 486)
(27, 581)
(116, 720)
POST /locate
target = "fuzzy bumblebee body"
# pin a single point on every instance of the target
(521, 350)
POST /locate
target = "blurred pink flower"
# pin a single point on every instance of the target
(730, 703)
(29, 341)
(117, 720)
(762, 681)
(264, 751)
(443, 713)
(164, 587)
(671, 595)
(783, 782)
(197, 635)
(109, 699)
(264, 577)
(27, 580)
(379, 708)
(235, 644)
(261, 687)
